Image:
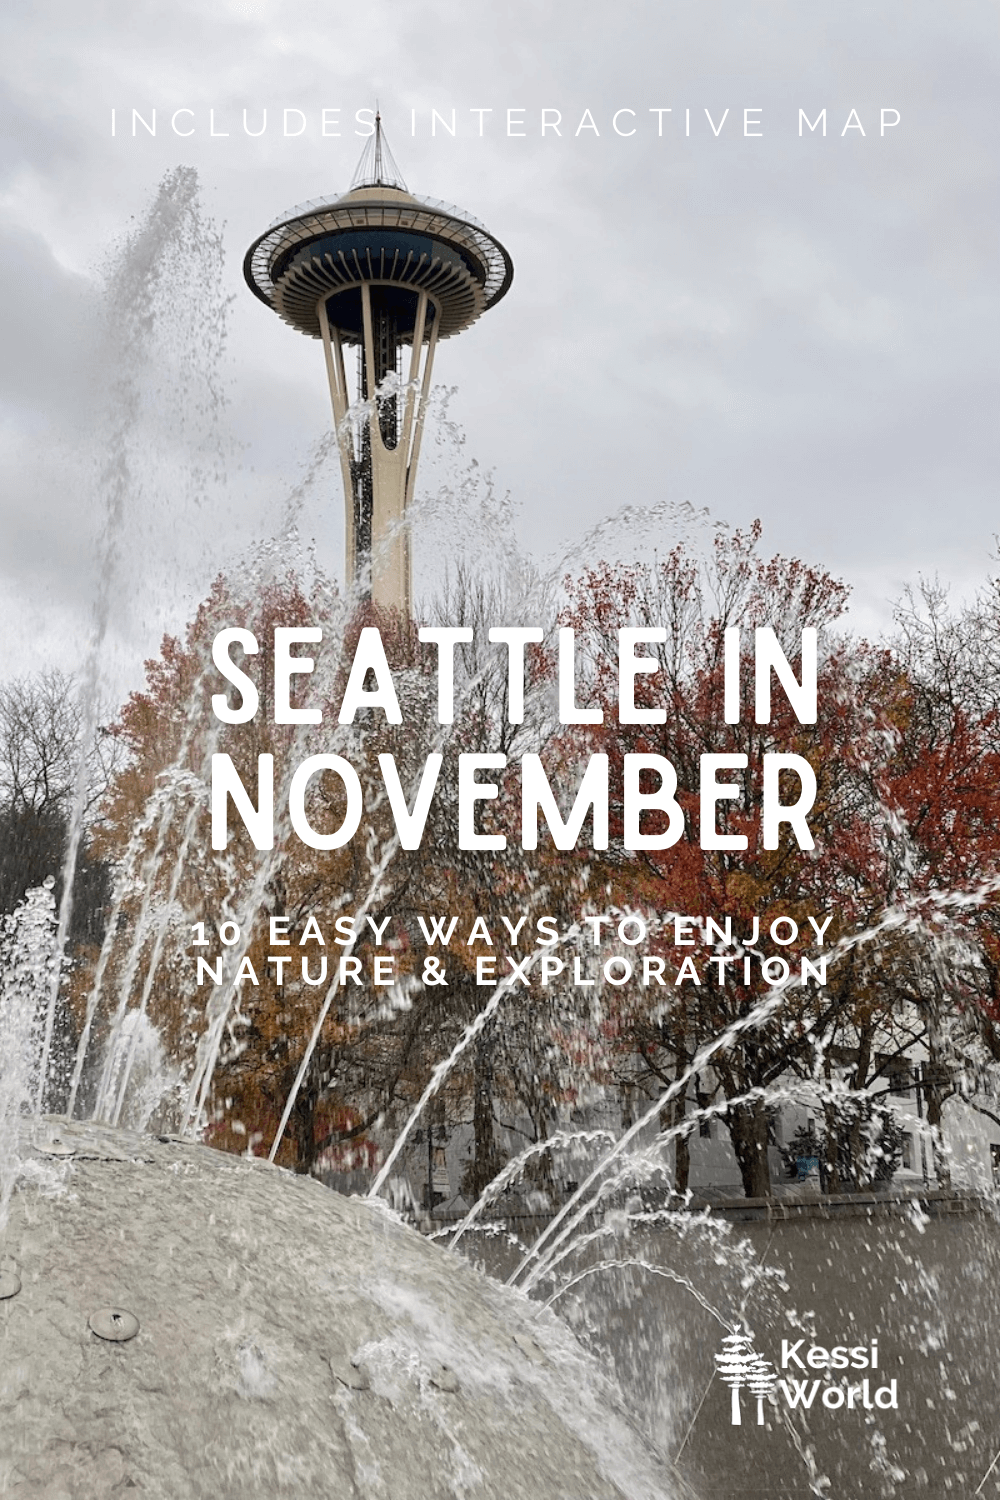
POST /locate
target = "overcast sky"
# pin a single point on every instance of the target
(800, 328)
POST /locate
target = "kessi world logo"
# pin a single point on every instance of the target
(808, 1376)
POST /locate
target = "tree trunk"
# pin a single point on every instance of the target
(539, 1170)
(748, 1132)
(673, 1115)
(302, 1129)
(485, 1160)
(832, 1181)
(939, 1155)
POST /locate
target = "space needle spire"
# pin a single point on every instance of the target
(389, 274)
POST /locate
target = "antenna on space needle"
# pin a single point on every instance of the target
(379, 269)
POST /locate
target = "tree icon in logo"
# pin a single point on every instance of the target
(739, 1364)
(761, 1381)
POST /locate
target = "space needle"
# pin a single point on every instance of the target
(381, 270)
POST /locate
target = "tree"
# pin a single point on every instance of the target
(905, 820)
(41, 729)
(935, 796)
(695, 601)
(240, 1041)
(368, 1062)
(863, 1139)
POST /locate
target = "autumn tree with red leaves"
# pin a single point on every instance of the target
(906, 784)
(372, 1056)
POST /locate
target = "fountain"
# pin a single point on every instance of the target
(190, 1323)
(179, 1320)
(204, 1322)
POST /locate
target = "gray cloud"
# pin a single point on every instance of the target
(803, 329)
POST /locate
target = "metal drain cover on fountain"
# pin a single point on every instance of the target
(252, 1286)
(114, 1325)
(354, 1377)
(55, 1146)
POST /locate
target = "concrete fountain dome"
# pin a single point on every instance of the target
(176, 1322)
